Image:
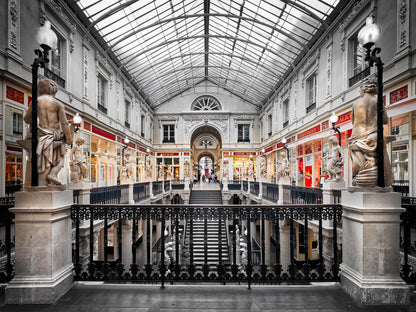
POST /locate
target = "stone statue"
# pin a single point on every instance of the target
(263, 169)
(161, 173)
(251, 171)
(169, 174)
(186, 169)
(78, 164)
(225, 171)
(129, 164)
(148, 168)
(53, 133)
(284, 170)
(363, 141)
(333, 161)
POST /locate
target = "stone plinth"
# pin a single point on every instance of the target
(370, 270)
(43, 247)
(328, 191)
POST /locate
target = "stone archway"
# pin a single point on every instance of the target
(206, 141)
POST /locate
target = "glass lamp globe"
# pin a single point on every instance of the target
(77, 119)
(284, 141)
(148, 150)
(47, 37)
(333, 119)
(126, 140)
(262, 150)
(370, 33)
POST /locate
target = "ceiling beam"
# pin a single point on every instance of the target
(206, 35)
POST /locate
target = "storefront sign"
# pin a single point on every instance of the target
(69, 117)
(244, 153)
(29, 100)
(226, 153)
(15, 95)
(186, 154)
(168, 154)
(400, 148)
(399, 94)
(325, 125)
(87, 126)
(103, 133)
(270, 148)
(14, 148)
(344, 118)
(309, 132)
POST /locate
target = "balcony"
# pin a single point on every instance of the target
(286, 123)
(269, 134)
(127, 124)
(102, 108)
(171, 140)
(243, 140)
(52, 76)
(359, 76)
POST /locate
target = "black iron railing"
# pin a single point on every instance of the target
(254, 188)
(359, 76)
(245, 186)
(304, 195)
(144, 269)
(401, 186)
(234, 185)
(270, 192)
(13, 187)
(106, 195)
(141, 191)
(157, 187)
(166, 185)
(178, 185)
(408, 239)
(6, 239)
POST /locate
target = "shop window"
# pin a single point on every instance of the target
(400, 162)
(102, 94)
(311, 93)
(243, 133)
(400, 125)
(127, 113)
(14, 169)
(168, 133)
(17, 124)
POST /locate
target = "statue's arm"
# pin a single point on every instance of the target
(66, 129)
(28, 115)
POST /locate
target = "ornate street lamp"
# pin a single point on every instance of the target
(47, 40)
(126, 142)
(77, 122)
(285, 147)
(333, 119)
(368, 36)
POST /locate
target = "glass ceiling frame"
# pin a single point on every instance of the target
(169, 46)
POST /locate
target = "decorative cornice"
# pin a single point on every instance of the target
(356, 8)
(57, 8)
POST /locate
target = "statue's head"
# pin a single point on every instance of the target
(333, 139)
(47, 86)
(79, 140)
(369, 85)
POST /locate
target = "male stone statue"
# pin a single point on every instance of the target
(53, 132)
(284, 170)
(333, 163)
(78, 164)
(363, 141)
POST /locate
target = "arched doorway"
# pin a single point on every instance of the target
(206, 151)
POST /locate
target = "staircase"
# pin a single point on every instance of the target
(207, 198)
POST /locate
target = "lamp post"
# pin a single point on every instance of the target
(77, 122)
(47, 40)
(368, 36)
(126, 142)
(333, 119)
(285, 147)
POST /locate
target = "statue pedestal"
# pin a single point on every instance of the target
(370, 272)
(328, 191)
(43, 247)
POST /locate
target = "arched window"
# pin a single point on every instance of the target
(206, 103)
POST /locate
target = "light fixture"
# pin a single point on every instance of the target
(126, 142)
(368, 36)
(77, 122)
(333, 119)
(47, 40)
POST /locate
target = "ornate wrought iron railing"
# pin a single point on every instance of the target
(304, 195)
(401, 186)
(408, 240)
(141, 191)
(13, 187)
(254, 188)
(178, 185)
(270, 192)
(178, 267)
(234, 185)
(157, 187)
(245, 186)
(166, 185)
(6, 240)
(106, 195)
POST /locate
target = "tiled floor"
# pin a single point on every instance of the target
(141, 298)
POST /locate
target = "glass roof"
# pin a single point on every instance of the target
(169, 46)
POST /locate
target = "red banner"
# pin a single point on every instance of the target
(344, 118)
(309, 132)
(15, 95)
(399, 94)
(103, 133)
